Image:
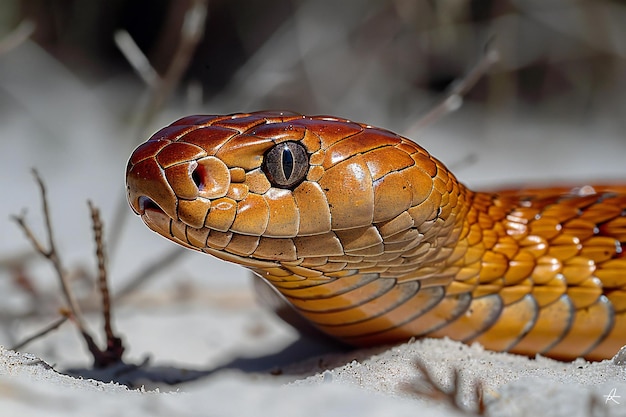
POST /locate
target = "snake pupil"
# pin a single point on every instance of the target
(287, 163)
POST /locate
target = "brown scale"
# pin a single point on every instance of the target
(374, 241)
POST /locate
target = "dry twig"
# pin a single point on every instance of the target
(114, 347)
(18, 36)
(454, 98)
(149, 271)
(160, 88)
(136, 58)
(51, 253)
(190, 35)
(55, 325)
(429, 388)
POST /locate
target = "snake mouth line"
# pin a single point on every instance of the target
(146, 204)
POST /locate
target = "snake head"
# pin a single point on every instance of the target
(210, 173)
(282, 187)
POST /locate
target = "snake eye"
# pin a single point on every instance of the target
(286, 164)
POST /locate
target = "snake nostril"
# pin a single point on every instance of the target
(198, 175)
(211, 177)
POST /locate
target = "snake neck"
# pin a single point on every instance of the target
(481, 246)
(455, 243)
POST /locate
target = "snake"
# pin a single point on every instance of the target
(370, 240)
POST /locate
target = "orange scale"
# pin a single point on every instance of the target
(520, 268)
(564, 247)
(493, 266)
(237, 192)
(548, 293)
(507, 246)
(148, 150)
(546, 270)
(242, 245)
(252, 216)
(172, 132)
(209, 138)
(363, 143)
(578, 269)
(392, 195)
(218, 240)
(552, 324)
(179, 178)
(349, 192)
(315, 217)
(513, 293)
(221, 214)
(535, 245)
(513, 322)
(197, 120)
(279, 132)
(256, 181)
(245, 152)
(586, 293)
(589, 326)
(545, 227)
(179, 152)
(311, 141)
(275, 249)
(421, 158)
(315, 173)
(329, 130)
(284, 216)
(611, 273)
(198, 236)
(385, 160)
(602, 212)
(326, 244)
(600, 248)
(615, 228)
(240, 121)
(147, 179)
(579, 228)
(618, 299)
(193, 212)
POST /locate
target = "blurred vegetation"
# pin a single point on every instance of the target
(386, 57)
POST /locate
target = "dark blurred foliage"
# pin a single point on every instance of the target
(550, 49)
(80, 33)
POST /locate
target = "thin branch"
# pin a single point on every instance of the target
(150, 270)
(114, 347)
(102, 271)
(454, 98)
(53, 326)
(51, 253)
(19, 35)
(74, 313)
(136, 58)
(191, 34)
(112, 354)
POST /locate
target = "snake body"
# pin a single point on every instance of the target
(373, 240)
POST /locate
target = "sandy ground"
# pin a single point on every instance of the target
(198, 317)
(367, 385)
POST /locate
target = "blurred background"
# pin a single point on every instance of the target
(72, 104)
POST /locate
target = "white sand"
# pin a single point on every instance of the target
(365, 386)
